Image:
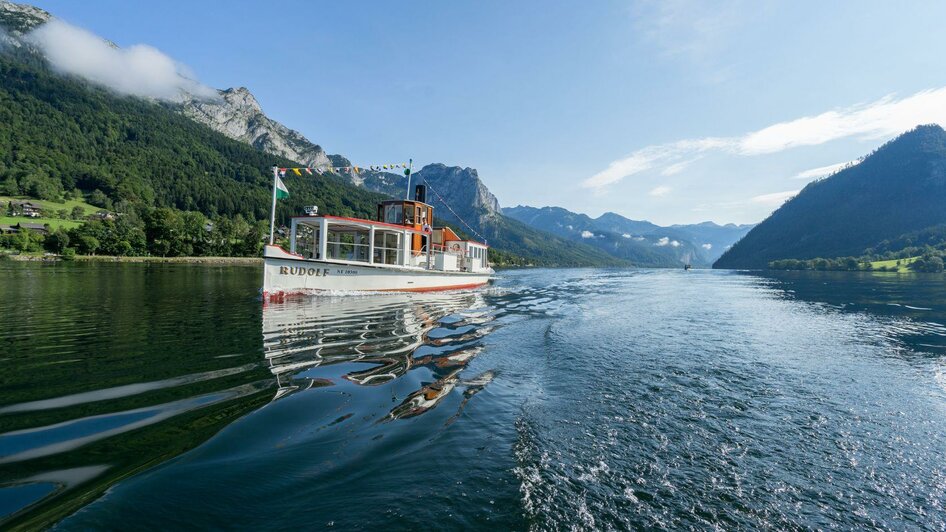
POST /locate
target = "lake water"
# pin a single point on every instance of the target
(167, 396)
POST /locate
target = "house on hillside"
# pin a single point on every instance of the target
(103, 215)
(35, 228)
(26, 208)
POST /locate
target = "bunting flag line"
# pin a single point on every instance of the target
(336, 169)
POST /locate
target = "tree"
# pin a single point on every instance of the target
(77, 213)
(87, 245)
(928, 263)
(9, 187)
(56, 241)
(164, 229)
(40, 185)
(99, 199)
(26, 241)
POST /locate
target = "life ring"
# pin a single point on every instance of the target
(455, 247)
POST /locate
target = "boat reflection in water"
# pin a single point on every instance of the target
(372, 340)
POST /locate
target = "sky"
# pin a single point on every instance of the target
(670, 111)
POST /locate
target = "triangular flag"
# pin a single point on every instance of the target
(281, 190)
(296, 170)
(356, 169)
(308, 171)
(282, 172)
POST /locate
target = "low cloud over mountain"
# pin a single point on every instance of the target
(138, 70)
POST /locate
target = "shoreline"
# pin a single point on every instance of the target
(242, 261)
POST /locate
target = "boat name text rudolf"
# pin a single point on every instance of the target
(292, 270)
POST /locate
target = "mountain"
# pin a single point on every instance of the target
(18, 19)
(713, 239)
(616, 223)
(239, 116)
(641, 242)
(59, 135)
(900, 188)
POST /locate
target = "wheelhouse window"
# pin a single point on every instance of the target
(394, 214)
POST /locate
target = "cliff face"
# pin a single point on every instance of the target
(239, 116)
(18, 19)
(461, 188)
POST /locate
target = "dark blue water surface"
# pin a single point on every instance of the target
(164, 397)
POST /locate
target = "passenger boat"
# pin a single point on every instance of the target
(399, 251)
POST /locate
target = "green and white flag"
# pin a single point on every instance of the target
(281, 191)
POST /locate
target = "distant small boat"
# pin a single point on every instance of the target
(400, 251)
(686, 267)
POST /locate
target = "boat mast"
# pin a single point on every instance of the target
(272, 214)
(410, 170)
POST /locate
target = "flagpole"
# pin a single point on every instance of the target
(410, 172)
(272, 214)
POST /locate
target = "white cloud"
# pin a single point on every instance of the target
(138, 70)
(587, 234)
(626, 235)
(823, 171)
(707, 246)
(676, 168)
(665, 241)
(660, 191)
(884, 117)
(773, 199)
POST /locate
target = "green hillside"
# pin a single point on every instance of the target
(57, 135)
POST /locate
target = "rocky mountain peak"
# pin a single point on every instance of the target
(19, 19)
(238, 115)
(242, 98)
(460, 187)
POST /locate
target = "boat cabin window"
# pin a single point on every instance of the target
(387, 247)
(394, 214)
(347, 244)
(307, 241)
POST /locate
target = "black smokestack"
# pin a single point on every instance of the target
(420, 193)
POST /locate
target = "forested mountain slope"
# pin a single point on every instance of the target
(898, 189)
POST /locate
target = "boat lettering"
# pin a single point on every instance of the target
(346, 272)
(292, 270)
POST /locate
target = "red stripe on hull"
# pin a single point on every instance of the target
(282, 295)
(436, 288)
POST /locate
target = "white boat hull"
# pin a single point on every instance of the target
(288, 274)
